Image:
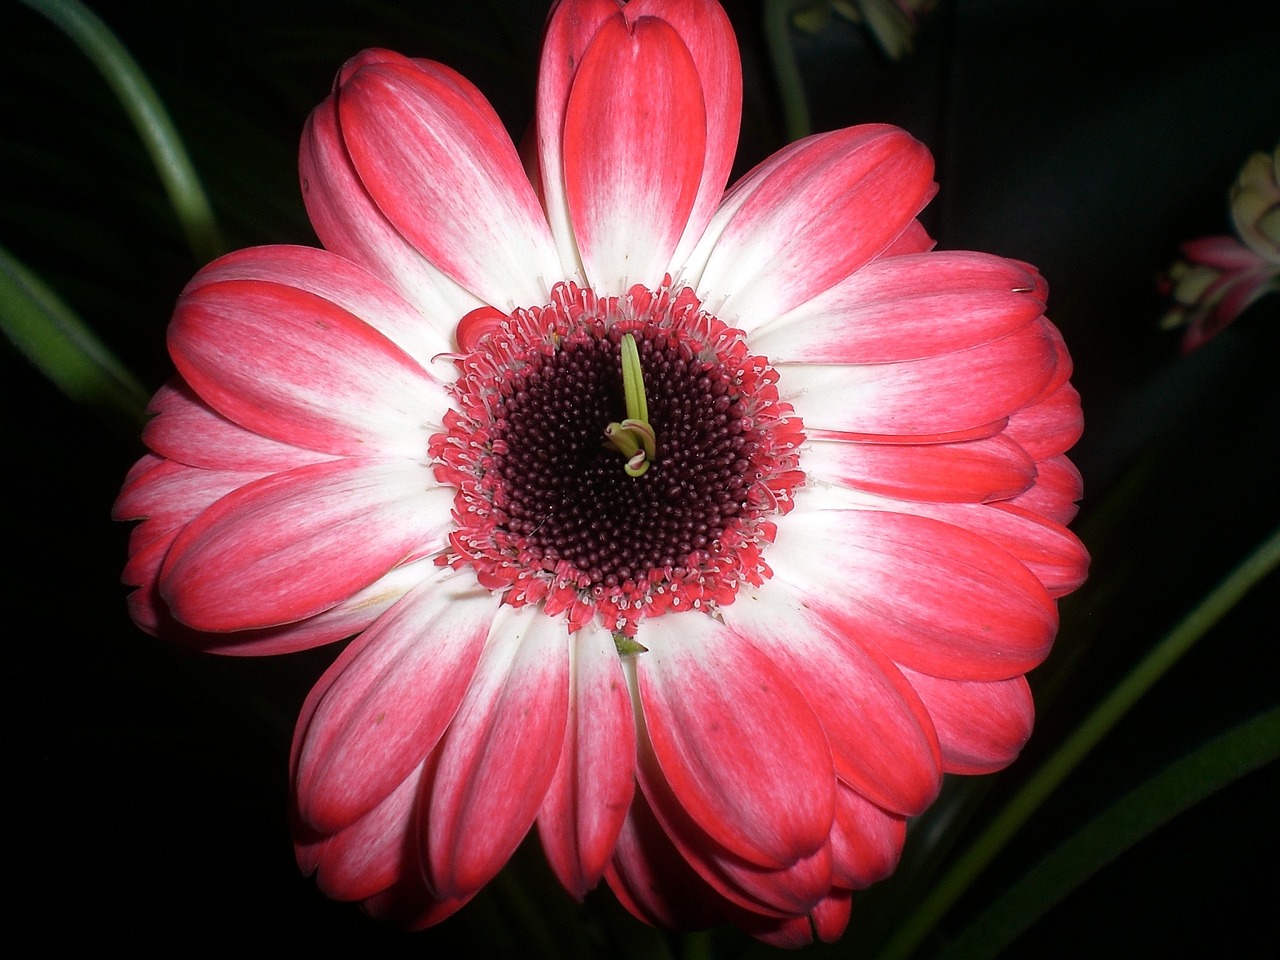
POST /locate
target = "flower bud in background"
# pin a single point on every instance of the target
(1219, 277)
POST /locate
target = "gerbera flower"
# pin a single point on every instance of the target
(706, 531)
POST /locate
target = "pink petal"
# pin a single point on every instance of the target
(442, 169)
(906, 308)
(286, 364)
(790, 889)
(371, 854)
(1056, 492)
(499, 755)
(186, 429)
(587, 801)
(881, 737)
(973, 471)
(810, 216)
(653, 881)
(1048, 549)
(742, 750)
(982, 725)
(385, 702)
(866, 840)
(929, 595)
(350, 224)
(294, 544)
(634, 140)
(1050, 426)
(347, 286)
(928, 396)
(706, 32)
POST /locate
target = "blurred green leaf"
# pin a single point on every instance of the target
(983, 849)
(142, 104)
(1229, 757)
(52, 337)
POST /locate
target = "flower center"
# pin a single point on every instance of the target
(545, 511)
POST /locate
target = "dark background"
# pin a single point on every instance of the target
(146, 786)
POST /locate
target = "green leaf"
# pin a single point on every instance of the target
(142, 104)
(51, 336)
(1050, 775)
(1193, 778)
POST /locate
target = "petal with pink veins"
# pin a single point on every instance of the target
(371, 854)
(1056, 492)
(418, 143)
(386, 701)
(293, 544)
(350, 224)
(735, 738)
(971, 471)
(932, 395)
(866, 840)
(346, 285)
(930, 595)
(186, 429)
(634, 140)
(809, 217)
(906, 308)
(289, 365)
(588, 799)
(881, 737)
(982, 724)
(498, 757)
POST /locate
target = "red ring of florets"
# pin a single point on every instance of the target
(504, 355)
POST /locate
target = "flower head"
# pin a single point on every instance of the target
(704, 531)
(1220, 277)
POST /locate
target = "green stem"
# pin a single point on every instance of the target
(148, 115)
(1105, 716)
(777, 34)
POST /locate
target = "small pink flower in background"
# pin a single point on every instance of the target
(1219, 277)
(703, 531)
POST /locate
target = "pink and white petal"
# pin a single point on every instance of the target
(1056, 492)
(866, 840)
(927, 594)
(498, 757)
(373, 853)
(589, 795)
(348, 618)
(813, 218)
(634, 141)
(185, 428)
(932, 395)
(906, 308)
(982, 725)
(167, 495)
(706, 31)
(1046, 548)
(971, 471)
(1050, 426)
(881, 737)
(294, 544)
(286, 364)
(774, 891)
(386, 701)
(346, 285)
(446, 175)
(741, 748)
(350, 224)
